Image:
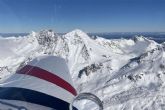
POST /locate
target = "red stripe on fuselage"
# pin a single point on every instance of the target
(45, 75)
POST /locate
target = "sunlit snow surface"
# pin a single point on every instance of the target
(126, 74)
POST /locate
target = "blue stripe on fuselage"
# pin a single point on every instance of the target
(13, 93)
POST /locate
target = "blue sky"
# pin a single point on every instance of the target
(88, 15)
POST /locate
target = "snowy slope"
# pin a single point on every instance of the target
(125, 73)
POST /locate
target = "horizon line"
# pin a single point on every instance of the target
(83, 31)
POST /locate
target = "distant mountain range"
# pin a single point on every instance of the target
(157, 36)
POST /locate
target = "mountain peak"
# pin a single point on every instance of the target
(140, 38)
(77, 32)
(46, 37)
(49, 33)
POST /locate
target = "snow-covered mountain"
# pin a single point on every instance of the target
(126, 74)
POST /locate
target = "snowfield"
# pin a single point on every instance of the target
(126, 74)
